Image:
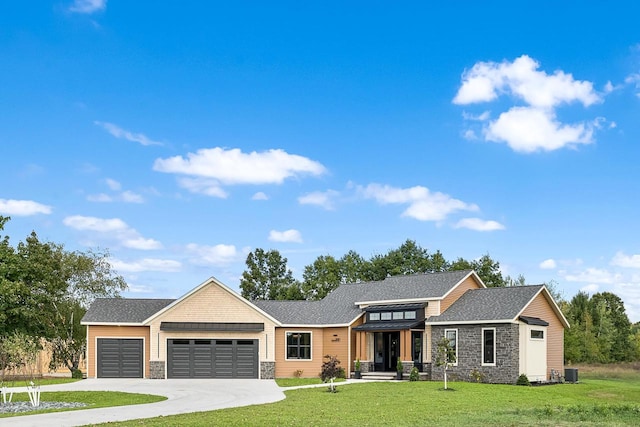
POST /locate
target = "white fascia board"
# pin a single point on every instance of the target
(111, 324)
(392, 301)
(471, 322)
(340, 325)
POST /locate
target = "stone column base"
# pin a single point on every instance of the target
(156, 369)
(267, 370)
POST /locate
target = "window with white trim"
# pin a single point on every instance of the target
(489, 346)
(452, 336)
(299, 345)
(537, 334)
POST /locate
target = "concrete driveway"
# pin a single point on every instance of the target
(183, 396)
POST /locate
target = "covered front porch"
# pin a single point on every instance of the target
(379, 347)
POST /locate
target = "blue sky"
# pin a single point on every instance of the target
(181, 135)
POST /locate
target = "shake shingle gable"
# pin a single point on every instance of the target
(123, 310)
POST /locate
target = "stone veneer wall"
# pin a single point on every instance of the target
(366, 366)
(507, 368)
(156, 369)
(267, 370)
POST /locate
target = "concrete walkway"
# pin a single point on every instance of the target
(183, 396)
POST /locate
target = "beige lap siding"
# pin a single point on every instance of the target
(468, 283)
(541, 309)
(213, 304)
(95, 332)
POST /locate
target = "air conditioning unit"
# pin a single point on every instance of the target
(571, 375)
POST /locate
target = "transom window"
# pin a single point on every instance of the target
(392, 315)
(489, 346)
(537, 334)
(299, 345)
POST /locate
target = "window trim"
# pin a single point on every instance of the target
(483, 362)
(531, 337)
(286, 346)
(456, 352)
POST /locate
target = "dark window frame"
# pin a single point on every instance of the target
(296, 347)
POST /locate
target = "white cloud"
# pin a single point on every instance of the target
(548, 264)
(260, 196)
(213, 255)
(593, 275)
(424, 205)
(88, 6)
(527, 130)
(469, 135)
(208, 187)
(478, 224)
(232, 166)
(628, 261)
(120, 133)
(533, 127)
(113, 184)
(100, 198)
(323, 199)
(521, 78)
(23, 207)
(131, 197)
(590, 289)
(113, 228)
(139, 289)
(146, 264)
(634, 79)
(292, 236)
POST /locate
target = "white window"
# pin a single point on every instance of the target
(409, 315)
(537, 334)
(489, 346)
(299, 345)
(452, 336)
(385, 315)
(374, 316)
(398, 315)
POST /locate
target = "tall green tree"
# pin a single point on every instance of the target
(487, 268)
(44, 290)
(321, 277)
(267, 277)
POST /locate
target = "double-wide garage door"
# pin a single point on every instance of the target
(120, 358)
(212, 358)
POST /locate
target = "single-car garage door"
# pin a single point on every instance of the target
(212, 358)
(120, 358)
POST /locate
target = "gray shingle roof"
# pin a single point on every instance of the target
(123, 310)
(488, 304)
(339, 307)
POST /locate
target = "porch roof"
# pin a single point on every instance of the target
(390, 326)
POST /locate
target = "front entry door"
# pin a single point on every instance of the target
(387, 350)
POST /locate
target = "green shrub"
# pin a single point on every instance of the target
(77, 373)
(523, 380)
(477, 376)
(414, 375)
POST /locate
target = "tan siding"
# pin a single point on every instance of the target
(468, 283)
(432, 309)
(336, 343)
(358, 342)
(310, 368)
(95, 332)
(213, 303)
(540, 307)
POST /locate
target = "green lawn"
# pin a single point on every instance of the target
(591, 402)
(93, 399)
(294, 382)
(41, 381)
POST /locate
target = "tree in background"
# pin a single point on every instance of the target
(45, 290)
(268, 278)
(486, 268)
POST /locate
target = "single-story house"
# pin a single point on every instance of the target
(213, 332)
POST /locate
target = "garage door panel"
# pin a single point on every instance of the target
(120, 358)
(213, 359)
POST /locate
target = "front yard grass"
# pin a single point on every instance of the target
(590, 402)
(296, 382)
(93, 399)
(41, 381)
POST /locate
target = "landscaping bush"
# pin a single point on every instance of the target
(414, 375)
(77, 373)
(477, 376)
(523, 380)
(331, 368)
